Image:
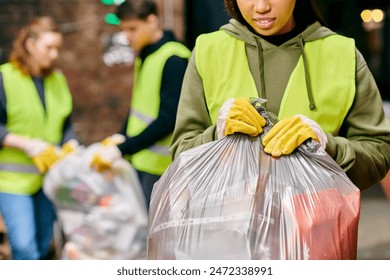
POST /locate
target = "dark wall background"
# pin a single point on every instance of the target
(344, 17)
(203, 16)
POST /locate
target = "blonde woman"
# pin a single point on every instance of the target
(35, 108)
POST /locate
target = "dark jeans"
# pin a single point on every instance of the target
(147, 182)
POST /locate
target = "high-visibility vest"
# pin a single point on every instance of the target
(223, 66)
(27, 117)
(145, 106)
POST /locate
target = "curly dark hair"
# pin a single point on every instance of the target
(305, 12)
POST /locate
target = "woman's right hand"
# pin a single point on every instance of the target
(238, 115)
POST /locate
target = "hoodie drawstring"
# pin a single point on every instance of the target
(307, 76)
(263, 94)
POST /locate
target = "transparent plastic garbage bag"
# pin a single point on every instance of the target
(103, 215)
(228, 199)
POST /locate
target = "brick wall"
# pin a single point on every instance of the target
(101, 93)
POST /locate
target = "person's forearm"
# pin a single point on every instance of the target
(14, 141)
(156, 131)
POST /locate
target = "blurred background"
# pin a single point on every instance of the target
(98, 66)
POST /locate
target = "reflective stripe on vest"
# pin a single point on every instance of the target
(222, 64)
(20, 168)
(142, 117)
(27, 117)
(145, 106)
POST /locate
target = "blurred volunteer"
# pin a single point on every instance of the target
(35, 108)
(159, 69)
(313, 79)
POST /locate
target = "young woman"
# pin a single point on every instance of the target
(35, 108)
(313, 79)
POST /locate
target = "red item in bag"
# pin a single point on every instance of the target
(322, 218)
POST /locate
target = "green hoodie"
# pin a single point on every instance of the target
(362, 147)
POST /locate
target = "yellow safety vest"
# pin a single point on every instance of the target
(145, 106)
(27, 117)
(223, 66)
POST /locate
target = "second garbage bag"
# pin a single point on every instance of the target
(228, 199)
(102, 215)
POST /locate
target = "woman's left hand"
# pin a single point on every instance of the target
(289, 133)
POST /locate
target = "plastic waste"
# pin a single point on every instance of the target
(103, 215)
(228, 199)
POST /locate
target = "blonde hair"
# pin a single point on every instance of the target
(19, 55)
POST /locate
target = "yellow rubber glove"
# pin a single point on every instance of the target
(69, 147)
(99, 164)
(44, 160)
(238, 115)
(108, 152)
(289, 133)
(42, 153)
